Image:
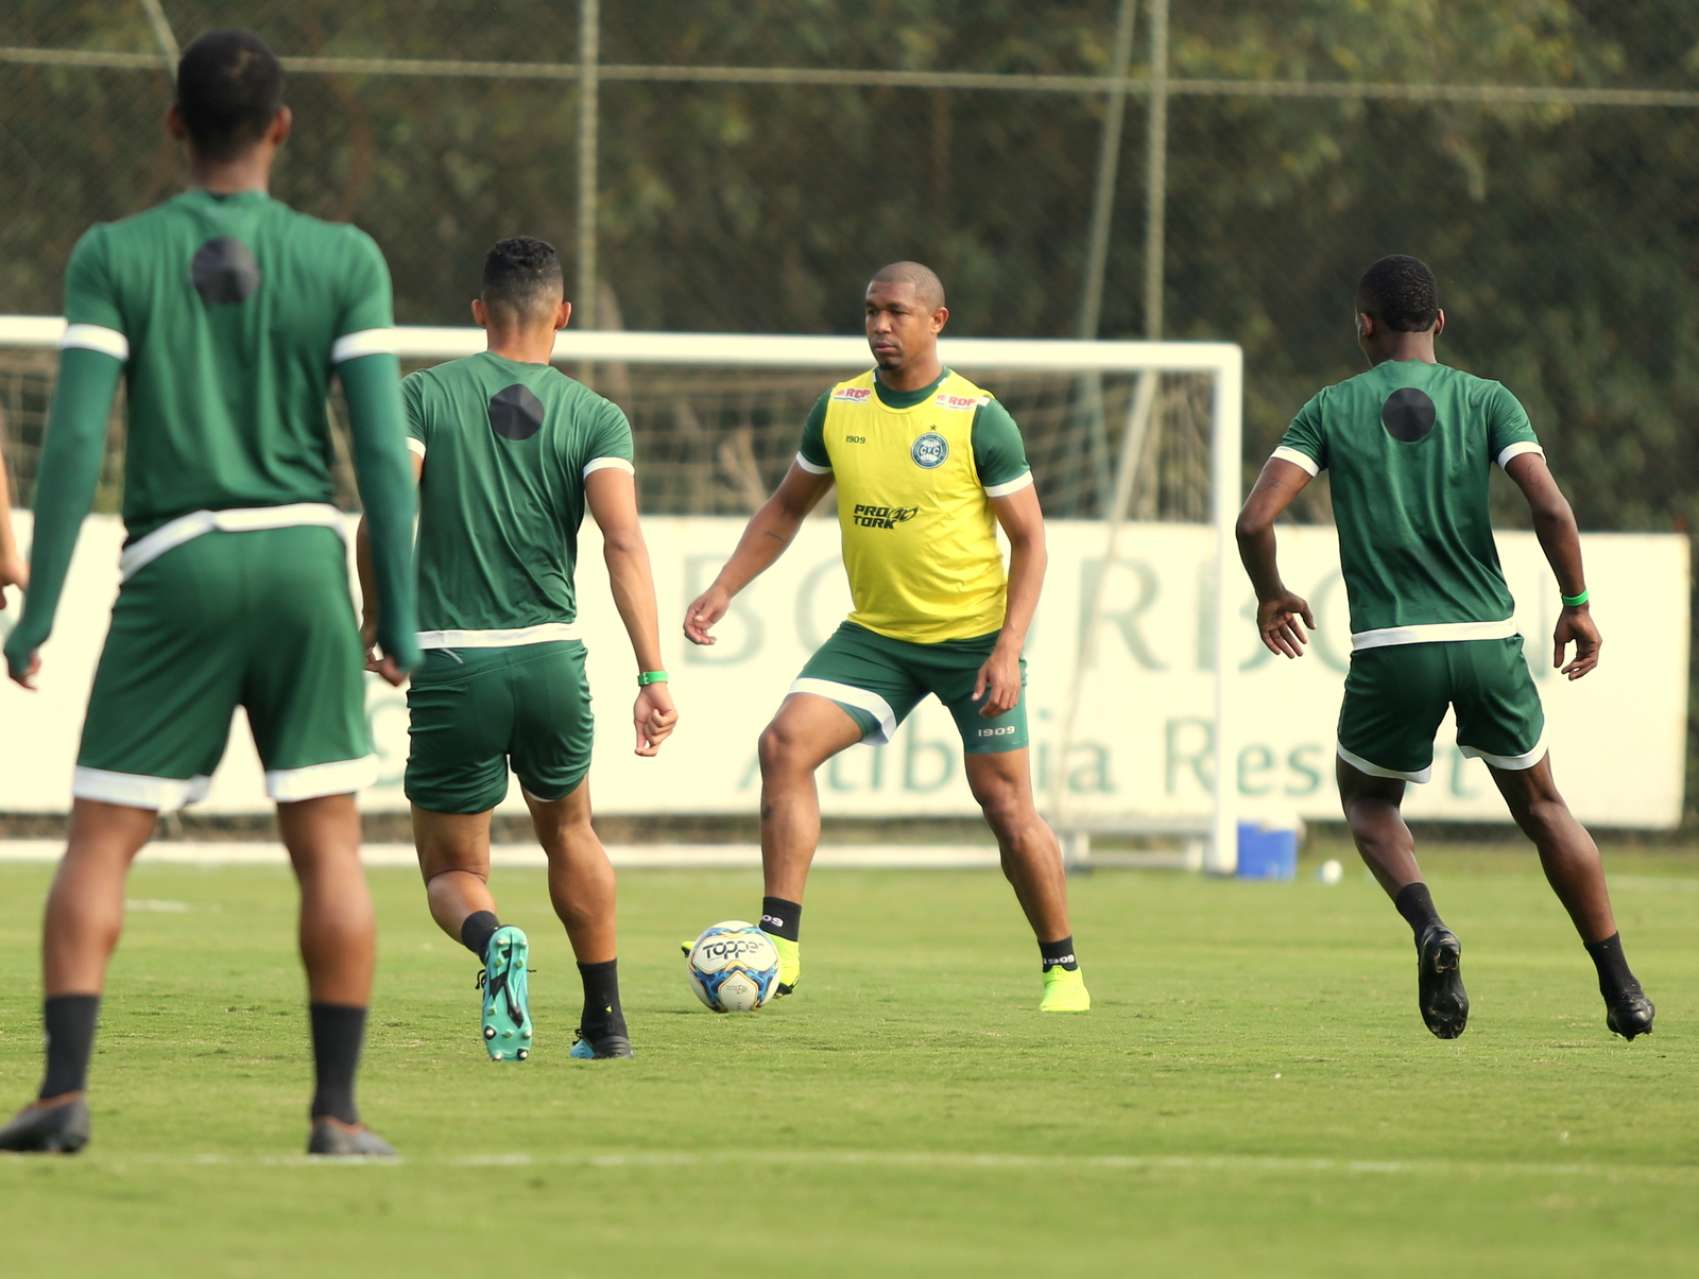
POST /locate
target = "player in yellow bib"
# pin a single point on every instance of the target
(927, 465)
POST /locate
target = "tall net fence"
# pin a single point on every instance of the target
(714, 441)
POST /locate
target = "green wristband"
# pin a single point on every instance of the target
(1575, 601)
(651, 677)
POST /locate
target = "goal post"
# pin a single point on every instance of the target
(1125, 436)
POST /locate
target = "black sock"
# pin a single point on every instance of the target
(781, 918)
(477, 929)
(338, 1030)
(602, 1013)
(1416, 904)
(1059, 954)
(1614, 977)
(67, 1022)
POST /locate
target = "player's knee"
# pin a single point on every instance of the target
(1007, 812)
(779, 749)
(1544, 817)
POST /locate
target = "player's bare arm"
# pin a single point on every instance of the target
(999, 679)
(611, 494)
(769, 531)
(1278, 610)
(13, 570)
(367, 571)
(1560, 539)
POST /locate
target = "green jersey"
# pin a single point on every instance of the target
(228, 312)
(1410, 447)
(506, 448)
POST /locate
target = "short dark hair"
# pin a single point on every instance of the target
(229, 89)
(522, 273)
(928, 288)
(1401, 293)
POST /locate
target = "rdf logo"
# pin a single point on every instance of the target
(930, 450)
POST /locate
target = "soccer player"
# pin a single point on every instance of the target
(927, 465)
(1410, 445)
(510, 451)
(13, 570)
(226, 313)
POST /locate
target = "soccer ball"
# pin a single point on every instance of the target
(733, 967)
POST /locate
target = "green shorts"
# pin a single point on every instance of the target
(262, 620)
(473, 709)
(1395, 698)
(880, 680)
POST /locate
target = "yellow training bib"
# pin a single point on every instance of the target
(919, 536)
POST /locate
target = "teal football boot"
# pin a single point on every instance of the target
(506, 986)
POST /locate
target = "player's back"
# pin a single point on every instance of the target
(507, 448)
(229, 311)
(1410, 447)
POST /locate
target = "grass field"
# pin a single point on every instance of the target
(1252, 1095)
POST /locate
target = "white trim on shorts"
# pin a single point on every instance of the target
(242, 519)
(339, 777)
(860, 698)
(136, 790)
(1433, 633)
(1375, 770)
(415, 446)
(544, 633)
(1513, 762)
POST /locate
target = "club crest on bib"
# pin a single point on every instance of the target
(930, 450)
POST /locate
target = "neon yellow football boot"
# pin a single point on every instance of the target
(790, 963)
(1065, 992)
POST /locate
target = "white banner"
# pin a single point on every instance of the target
(1143, 743)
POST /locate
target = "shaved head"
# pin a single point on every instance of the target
(928, 288)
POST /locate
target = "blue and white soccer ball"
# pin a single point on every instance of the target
(733, 967)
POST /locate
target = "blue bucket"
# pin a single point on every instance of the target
(1268, 850)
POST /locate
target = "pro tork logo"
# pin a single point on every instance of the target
(930, 450)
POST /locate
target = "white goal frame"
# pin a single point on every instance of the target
(1215, 842)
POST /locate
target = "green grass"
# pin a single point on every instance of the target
(1253, 1093)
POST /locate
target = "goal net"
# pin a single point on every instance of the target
(1135, 447)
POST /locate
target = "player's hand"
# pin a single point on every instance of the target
(1576, 624)
(369, 640)
(1278, 624)
(708, 608)
(24, 676)
(14, 571)
(655, 718)
(998, 683)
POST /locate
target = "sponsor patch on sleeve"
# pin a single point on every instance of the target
(961, 403)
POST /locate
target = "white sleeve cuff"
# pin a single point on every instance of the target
(1517, 450)
(93, 337)
(415, 446)
(609, 463)
(810, 467)
(1297, 459)
(1011, 486)
(351, 346)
